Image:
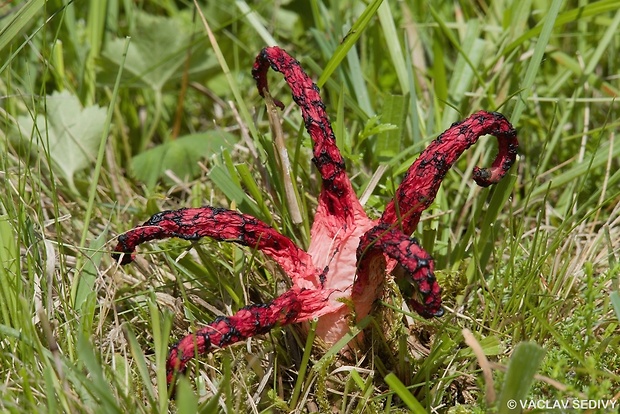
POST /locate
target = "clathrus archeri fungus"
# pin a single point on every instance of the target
(350, 255)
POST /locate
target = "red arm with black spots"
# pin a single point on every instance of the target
(219, 224)
(356, 249)
(337, 194)
(419, 187)
(416, 262)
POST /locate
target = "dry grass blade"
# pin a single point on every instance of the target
(473, 343)
(284, 161)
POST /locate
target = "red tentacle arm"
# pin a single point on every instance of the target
(415, 279)
(421, 183)
(350, 255)
(224, 225)
(296, 305)
(338, 195)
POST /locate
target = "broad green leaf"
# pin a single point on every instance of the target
(68, 132)
(180, 156)
(615, 302)
(9, 273)
(395, 108)
(522, 367)
(157, 52)
(186, 399)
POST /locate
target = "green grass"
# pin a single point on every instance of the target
(94, 141)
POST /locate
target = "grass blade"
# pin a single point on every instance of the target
(22, 18)
(615, 302)
(393, 43)
(523, 365)
(588, 10)
(140, 360)
(350, 39)
(534, 65)
(399, 389)
(96, 174)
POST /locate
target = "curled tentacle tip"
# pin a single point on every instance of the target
(429, 311)
(484, 177)
(432, 313)
(429, 314)
(123, 254)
